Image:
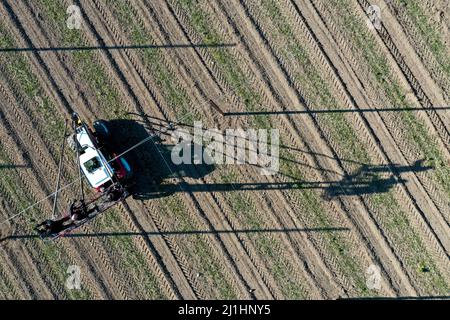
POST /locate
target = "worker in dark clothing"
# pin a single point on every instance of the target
(50, 227)
(93, 211)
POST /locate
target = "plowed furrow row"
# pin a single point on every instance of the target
(249, 75)
(158, 224)
(275, 100)
(32, 277)
(199, 72)
(439, 224)
(203, 54)
(407, 196)
(359, 185)
(8, 288)
(16, 275)
(142, 93)
(186, 62)
(70, 95)
(23, 129)
(256, 261)
(10, 147)
(42, 165)
(31, 272)
(407, 191)
(411, 155)
(421, 67)
(175, 284)
(227, 251)
(181, 60)
(17, 28)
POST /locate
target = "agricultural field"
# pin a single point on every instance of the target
(358, 207)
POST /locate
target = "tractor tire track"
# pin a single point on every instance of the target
(411, 155)
(16, 275)
(13, 141)
(138, 108)
(330, 261)
(85, 112)
(322, 63)
(249, 76)
(10, 265)
(416, 84)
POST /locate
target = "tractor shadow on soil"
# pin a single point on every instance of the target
(151, 162)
